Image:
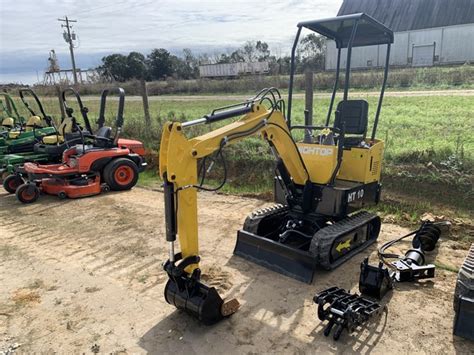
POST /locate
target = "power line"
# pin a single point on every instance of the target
(94, 9)
(69, 38)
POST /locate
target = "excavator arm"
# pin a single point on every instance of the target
(178, 164)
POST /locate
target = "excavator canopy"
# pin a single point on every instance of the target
(369, 31)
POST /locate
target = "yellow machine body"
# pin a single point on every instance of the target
(179, 156)
(358, 164)
(362, 164)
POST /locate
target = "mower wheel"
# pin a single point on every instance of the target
(5, 174)
(121, 174)
(11, 183)
(27, 193)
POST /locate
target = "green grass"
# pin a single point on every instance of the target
(415, 129)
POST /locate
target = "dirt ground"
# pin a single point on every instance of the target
(83, 276)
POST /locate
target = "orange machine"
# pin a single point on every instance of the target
(104, 163)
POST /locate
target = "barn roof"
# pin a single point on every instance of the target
(406, 15)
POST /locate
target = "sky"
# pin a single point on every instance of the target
(29, 29)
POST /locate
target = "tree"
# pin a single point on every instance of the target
(115, 66)
(192, 61)
(136, 66)
(262, 51)
(180, 68)
(248, 51)
(160, 64)
(311, 52)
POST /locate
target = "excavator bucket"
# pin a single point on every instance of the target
(187, 293)
(200, 301)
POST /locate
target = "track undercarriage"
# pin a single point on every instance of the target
(294, 244)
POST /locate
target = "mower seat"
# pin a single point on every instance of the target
(8, 123)
(352, 116)
(55, 144)
(33, 122)
(64, 128)
(104, 132)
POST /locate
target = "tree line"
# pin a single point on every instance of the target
(160, 64)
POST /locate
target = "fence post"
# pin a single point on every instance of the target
(61, 103)
(308, 112)
(146, 108)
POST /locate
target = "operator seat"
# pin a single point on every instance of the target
(66, 127)
(352, 115)
(8, 123)
(33, 122)
(104, 132)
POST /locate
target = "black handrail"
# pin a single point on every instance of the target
(384, 85)
(121, 105)
(69, 111)
(47, 118)
(292, 76)
(336, 85)
(349, 58)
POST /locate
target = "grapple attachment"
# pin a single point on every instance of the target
(187, 293)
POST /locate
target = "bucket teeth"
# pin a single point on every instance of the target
(230, 307)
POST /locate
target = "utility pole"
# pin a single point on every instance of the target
(68, 37)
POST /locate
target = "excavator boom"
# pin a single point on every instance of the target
(178, 166)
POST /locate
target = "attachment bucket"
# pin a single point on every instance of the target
(200, 301)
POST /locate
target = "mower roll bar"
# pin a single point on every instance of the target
(38, 103)
(10, 107)
(69, 110)
(103, 102)
(121, 105)
(318, 27)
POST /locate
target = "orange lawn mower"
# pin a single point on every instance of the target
(109, 163)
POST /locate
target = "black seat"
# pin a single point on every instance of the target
(104, 132)
(353, 115)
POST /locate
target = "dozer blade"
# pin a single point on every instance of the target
(275, 256)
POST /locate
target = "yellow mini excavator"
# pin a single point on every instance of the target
(322, 183)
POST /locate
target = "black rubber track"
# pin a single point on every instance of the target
(323, 240)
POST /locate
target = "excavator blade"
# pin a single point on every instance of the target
(275, 256)
(200, 301)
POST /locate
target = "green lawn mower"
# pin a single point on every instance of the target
(23, 138)
(49, 148)
(9, 116)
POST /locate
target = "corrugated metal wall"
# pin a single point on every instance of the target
(232, 69)
(453, 44)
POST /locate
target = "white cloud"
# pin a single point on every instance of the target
(109, 25)
(31, 27)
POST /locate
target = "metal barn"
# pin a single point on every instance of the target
(427, 33)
